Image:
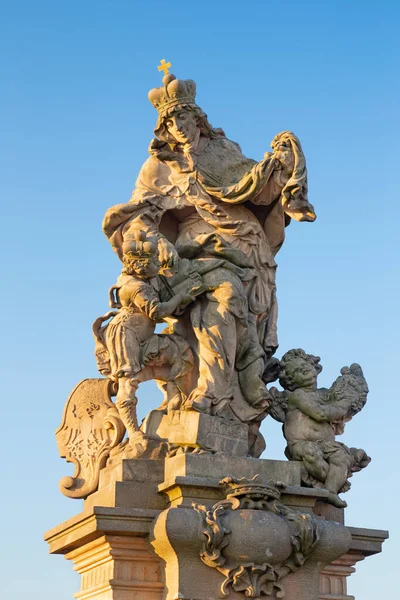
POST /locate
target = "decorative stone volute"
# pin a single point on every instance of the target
(250, 538)
(252, 525)
(90, 429)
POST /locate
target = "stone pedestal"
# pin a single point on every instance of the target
(118, 568)
(109, 550)
(197, 430)
(142, 534)
(333, 580)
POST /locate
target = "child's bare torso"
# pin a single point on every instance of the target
(300, 426)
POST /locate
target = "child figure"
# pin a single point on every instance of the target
(312, 418)
(127, 344)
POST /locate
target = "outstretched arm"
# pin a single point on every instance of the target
(313, 405)
(146, 299)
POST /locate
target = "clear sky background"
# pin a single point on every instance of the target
(75, 124)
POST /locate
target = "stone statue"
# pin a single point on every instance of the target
(312, 417)
(200, 199)
(181, 505)
(127, 350)
(197, 242)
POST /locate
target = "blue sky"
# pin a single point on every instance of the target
(75, 124)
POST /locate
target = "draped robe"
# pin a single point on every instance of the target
(212, 201)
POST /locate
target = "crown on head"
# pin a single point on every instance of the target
(174, 92)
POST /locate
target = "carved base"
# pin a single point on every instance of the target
(333, 579)
(117, 568)
(189, 429)
(149, 544)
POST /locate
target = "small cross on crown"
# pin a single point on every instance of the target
(164, 66)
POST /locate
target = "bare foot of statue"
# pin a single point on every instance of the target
(137, 437)
(336, 501)
(198, 403)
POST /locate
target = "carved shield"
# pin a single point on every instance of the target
(90, 428)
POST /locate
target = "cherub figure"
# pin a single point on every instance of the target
(312, 418)
(127, 349)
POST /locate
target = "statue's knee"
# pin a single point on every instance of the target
(312, 454)
(341, 458)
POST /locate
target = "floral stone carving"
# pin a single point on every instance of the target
(249, 525)
(90, 429)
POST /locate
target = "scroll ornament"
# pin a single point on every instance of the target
(90, 429)
(286, 536)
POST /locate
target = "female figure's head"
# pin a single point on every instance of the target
(183, 123)
(180, 119)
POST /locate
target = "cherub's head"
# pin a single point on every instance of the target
(140, 257)
(143, 267)
(299, 370)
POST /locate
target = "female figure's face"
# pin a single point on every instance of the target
(182, 125)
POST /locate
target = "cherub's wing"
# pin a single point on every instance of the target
(350, 388)
(279, 404)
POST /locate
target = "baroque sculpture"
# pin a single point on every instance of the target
(197, 243)
(198, 240)
(255, 576)
(312, 418)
